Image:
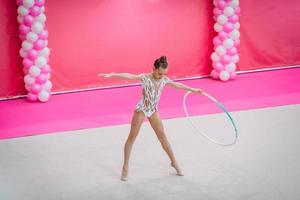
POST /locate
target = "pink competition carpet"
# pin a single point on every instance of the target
(108, 107)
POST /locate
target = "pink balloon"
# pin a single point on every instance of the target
(25, 70)
(217, 41)
(24, 29)
(225, 59)
(35, 88)
(42, 78)
(32, 54)
(22, 37)
(40, 2)
(19, 2)
(35, 11)
(48, 76)
(27, 63)
(39, 44)
(217, 11)
(43, 35)
(31, 97)
(214, 74)
(28, 20)
(46, 69)
(218, 66)
(232, 75)
(232, 51)
(223, 35)
(221, 4)
(234, 18)
(228, 27)
(237, 43)
(237, 10)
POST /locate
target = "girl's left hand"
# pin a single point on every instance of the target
(197, 90)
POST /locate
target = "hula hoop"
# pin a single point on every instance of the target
(199, 131)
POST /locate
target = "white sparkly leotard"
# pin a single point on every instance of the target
(151, 93)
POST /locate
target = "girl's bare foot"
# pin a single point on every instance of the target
(178, 170)
(124, 174)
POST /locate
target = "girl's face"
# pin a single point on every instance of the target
(159, 73)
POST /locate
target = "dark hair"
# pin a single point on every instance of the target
(161, 62)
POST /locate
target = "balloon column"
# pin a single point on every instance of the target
(34, 50)
(226, 43)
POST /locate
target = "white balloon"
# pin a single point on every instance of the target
(22, 53)
(230, 67)
(235, 34)
(220, 50)
(222, 19)
(214, 57)
(224, 75)
(31, 37)
(20, 19)
(237, 25)
(28, 3)
(228, 11)
(28, 79)
(34, 71)
(23, 11)
(40, 61)
(228, 43)
(37, 27)
(234, 3)
(235, 58)
(42, 9)
(45, 52)
(47, 85)
(41, 18)
(44, 96)
(26, 45)
(218, 27)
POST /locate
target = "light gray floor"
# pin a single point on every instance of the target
(86, 164)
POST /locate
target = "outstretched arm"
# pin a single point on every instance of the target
(122, 75)
(184, 87)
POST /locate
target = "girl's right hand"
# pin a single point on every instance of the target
(105, 75)
(197, 90)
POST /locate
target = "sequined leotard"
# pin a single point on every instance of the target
(151, 94)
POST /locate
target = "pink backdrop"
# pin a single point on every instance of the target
(126, 36)
(270, 34)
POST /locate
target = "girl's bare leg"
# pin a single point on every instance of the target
(136, 122)
(158, 128)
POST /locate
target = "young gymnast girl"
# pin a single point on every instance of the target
(152, 84)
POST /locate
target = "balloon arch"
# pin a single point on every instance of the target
(35, 53)
(227, 41)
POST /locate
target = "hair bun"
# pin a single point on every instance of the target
(161, 62)
(163, 59)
